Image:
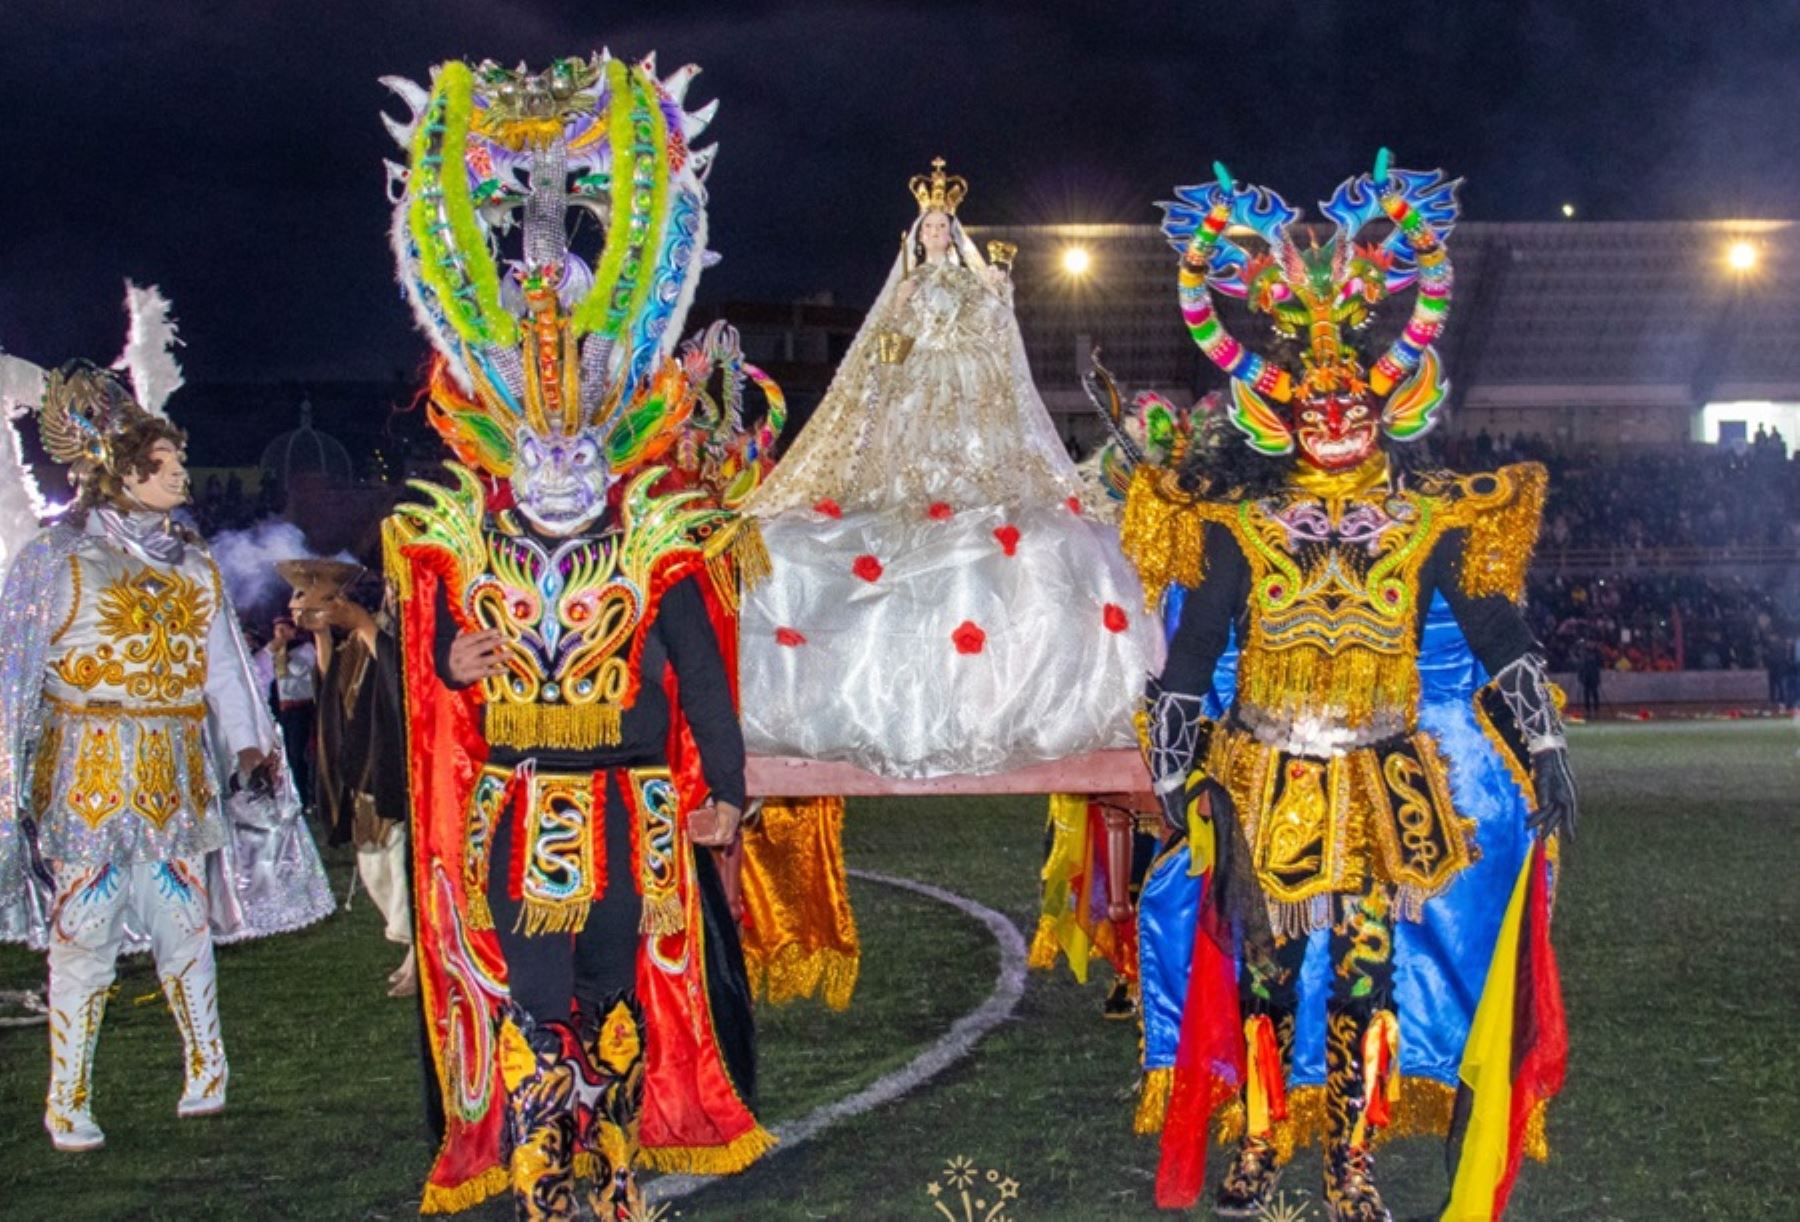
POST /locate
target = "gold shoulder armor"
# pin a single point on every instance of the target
(1502, 513)
(1163, 532)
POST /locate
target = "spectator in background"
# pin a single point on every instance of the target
(1591, 668)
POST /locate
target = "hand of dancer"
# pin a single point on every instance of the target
(475, 656)
(715, 824)
(1554, 786)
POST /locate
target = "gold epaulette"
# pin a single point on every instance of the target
(1163, 531)
(1502, 512)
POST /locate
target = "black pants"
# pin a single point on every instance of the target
(1362, 965)
(296, 724)
(1590, 699)
(555, 975)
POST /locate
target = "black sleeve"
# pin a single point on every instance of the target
(1495, 628)
(446, 632)
(1207, 616)
(705, 689)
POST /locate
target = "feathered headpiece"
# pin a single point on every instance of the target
(1236, 241)
(85, 409)
(556, 336)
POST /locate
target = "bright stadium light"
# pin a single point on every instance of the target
(1741, 256)
(1076, 261)
(1568, 211)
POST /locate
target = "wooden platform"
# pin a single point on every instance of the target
(1119, 771)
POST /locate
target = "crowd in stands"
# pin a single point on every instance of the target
(1684, 497)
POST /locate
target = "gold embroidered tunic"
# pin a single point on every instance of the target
(1324, 586)
(122, 771)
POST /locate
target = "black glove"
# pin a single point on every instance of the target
(1554, 786)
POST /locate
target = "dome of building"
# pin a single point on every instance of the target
(306, 453)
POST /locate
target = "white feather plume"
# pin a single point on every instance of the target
(21, 503)
(149, 356)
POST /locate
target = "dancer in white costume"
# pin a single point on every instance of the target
(940, 602)
(126, 697)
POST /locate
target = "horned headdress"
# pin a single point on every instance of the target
(1237, 242)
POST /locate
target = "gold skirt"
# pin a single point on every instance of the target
(1323, 827)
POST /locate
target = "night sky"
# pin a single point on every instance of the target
(231, 152)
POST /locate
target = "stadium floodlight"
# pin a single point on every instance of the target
(1568, 211)
(1076, 261)
(1741, 256)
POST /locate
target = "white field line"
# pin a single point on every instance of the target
(1009, 986)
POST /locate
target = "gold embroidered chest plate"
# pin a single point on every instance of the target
(135, 635)
(1334, 607)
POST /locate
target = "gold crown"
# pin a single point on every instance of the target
(941, 192)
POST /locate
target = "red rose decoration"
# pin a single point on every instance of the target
(1008, 536)
(968, 638)
(788, 637)
(829, 508)
(940, 512)
(1114, 617)
(867, 567)
(1074, 504)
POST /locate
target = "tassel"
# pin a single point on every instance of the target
(539, 917)
(1381, 1085)
(466, 1195)
(1153, 1101)
(1266, 1089)
(751, 551)
(662, 916)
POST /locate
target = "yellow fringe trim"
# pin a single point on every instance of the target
(1044, 946)
(1153, 1101)
(541, 917)
(1425, 1109)
(728, 1159)
(1161, 533)
(466, 1195)
(1360, 681)
(662, 916)
(579, 726)
(754, 565)
(795, 972)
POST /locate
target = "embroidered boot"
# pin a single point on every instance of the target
(193, 995)
(1351, 1122)
(617, 1050)
(538, 1068)
(1249, 1182)
(75, 1015)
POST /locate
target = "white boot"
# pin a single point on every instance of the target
(194, 1000)
(74, 1031)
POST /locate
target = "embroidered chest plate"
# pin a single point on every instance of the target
(568, 616)
(135, 635)
(1334, 604)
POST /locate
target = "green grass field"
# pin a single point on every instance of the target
(1678, 926)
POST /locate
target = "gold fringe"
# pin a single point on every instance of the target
(1162, 533)
(541, 917)
(1153, 1101)
(393, 562)
(579, 726)
(466, 1195)
(795, 972)
(1424, 1109)
(754, 565)
(1503, 528)
(1305, 679)
(728, 1159)
(724, 582)
(1044, 946)
(662, 916)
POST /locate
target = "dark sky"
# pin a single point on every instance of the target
(231, 151)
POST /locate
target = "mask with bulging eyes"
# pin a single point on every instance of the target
(1335, 432)
(560, 483)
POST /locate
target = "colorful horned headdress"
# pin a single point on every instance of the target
(550, 231)
(1236, 241)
